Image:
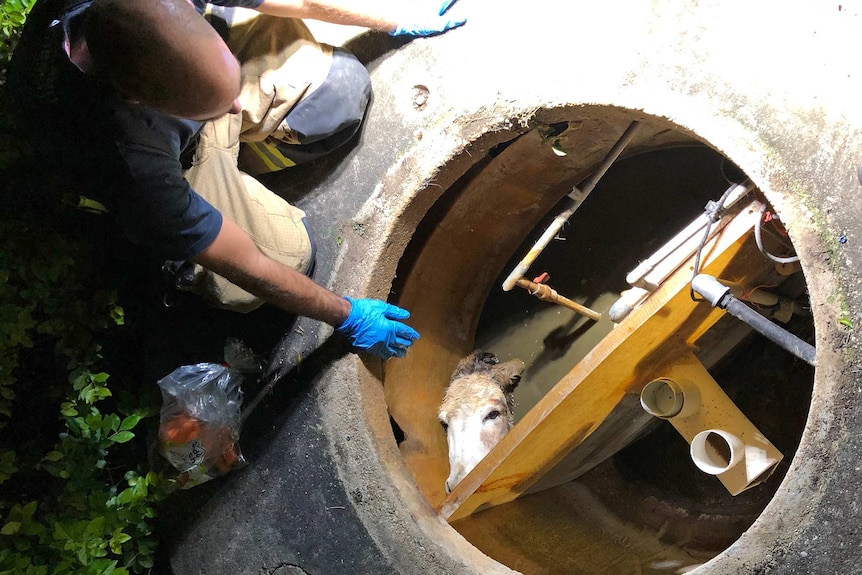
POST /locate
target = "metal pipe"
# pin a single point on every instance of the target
(576, 198)
(546, 293)
(719, 296)
(579, 194)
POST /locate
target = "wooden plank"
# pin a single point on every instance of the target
(628, 422)
(625, 360)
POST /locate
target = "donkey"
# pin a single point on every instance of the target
(477, 410)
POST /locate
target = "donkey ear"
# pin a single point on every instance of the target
(486, 357)
(508, 374)
(514, 380)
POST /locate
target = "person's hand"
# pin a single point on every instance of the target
(372, 327)
(427, 19)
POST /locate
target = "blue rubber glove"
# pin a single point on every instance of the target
(425, 24)
(371, 327)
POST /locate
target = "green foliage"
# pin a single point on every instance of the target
(82, 504)
(12, 16)
(94, 513)
(43, 294)
(77, 496)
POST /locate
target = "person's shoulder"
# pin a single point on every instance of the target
(144, 128)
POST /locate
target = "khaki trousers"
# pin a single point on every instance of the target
(281, 63)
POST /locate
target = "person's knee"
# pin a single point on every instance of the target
(335, 110)
(321, 122)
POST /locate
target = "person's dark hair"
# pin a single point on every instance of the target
(163, 54)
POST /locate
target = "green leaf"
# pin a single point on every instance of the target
(79, 379)
(11, 528)
(28, 510)
(104, 566)
(117, 541)
(130, 422)
(53, 456)
(94, 421)
(121, 436)
(118, 315)
(126, 496)
(96, 526)
(60, 532)
(92, 394)
(112, 422)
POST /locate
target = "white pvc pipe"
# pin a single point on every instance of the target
(522, 267)
(628, 300)
(650, 274)
(690, 234)
(715, 451)
(665, 398)
(723, 441)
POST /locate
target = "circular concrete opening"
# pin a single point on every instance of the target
(646, 507)
(441, 193)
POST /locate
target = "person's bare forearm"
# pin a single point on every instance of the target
(235, 257)
(378, 15)
(290, 290)
(370, 325)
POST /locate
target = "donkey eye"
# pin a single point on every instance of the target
(493, 415)
(444, 425)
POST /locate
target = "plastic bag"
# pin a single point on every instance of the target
(200, 416)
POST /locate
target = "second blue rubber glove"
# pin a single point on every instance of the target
(373, 326)
(428, 20)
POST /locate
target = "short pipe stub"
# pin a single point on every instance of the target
(715, 451)
(662, 398)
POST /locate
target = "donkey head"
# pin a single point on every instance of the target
(477, 410)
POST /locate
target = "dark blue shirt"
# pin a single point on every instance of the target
(159, 209)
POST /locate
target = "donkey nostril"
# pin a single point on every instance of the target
(448, 489)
